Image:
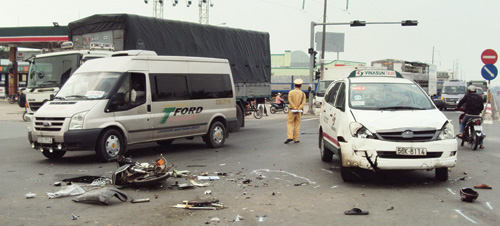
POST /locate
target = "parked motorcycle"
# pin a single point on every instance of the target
(131, 172)
(276, 107)
(473, 131)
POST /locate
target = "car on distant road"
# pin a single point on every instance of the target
(377, 120)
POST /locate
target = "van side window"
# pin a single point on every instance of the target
(332, 94)
(131, 93)
(209, 86)
(166, 87)
(340, 104)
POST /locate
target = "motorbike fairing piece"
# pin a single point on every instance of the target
(131, 172)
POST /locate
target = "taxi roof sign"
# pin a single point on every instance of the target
(375, 73)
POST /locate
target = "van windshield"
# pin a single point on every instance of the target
(454, 90)
(93, 85)
(388, 96)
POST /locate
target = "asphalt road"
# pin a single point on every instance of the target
(255, 153)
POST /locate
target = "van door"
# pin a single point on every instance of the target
(329, 116)
(130, 108)
(171, 106)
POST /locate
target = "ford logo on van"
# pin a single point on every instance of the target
(46, 124)
(407, 134)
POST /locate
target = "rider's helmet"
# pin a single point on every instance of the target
(278, 94)
(472, 88)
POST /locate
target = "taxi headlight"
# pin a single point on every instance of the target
(360, 131)
(447, 132)
(77, 121)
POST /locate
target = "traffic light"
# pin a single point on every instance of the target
(318, 75)
(314, 62)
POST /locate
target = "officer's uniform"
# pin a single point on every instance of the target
(297, 100)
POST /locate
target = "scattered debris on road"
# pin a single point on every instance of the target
(70, 190)
(101, 195)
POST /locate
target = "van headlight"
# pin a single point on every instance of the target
(447, 132)
(77, 121)
(360, 131)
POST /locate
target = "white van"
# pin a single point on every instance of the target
(453, 91)
(378, 120)
(136, 97)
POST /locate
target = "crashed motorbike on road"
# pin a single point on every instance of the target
(133, 173)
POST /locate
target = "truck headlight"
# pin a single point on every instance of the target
(360, 131)
(446, 132)
(77, 121)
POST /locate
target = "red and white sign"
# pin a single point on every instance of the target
(489, 56)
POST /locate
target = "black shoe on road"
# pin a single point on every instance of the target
(288, 141)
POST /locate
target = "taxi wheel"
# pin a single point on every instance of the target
(348, 174)
(441, 174)
(109, 145)
(216, 135)
(326, 154)
(54, 154)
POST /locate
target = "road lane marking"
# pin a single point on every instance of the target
(489, 205)
(282, 171)
(309, 119)
(466, 217)
(449, 189)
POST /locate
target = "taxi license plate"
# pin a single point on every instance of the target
(44, 140)
(411, 151)
(478, 128)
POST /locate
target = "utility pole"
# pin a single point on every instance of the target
(157, 8)
(204, 9)
(322, 60)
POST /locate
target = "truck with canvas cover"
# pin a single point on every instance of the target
(248, 52)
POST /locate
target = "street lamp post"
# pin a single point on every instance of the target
(355, 23)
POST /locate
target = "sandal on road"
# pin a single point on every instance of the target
(356, 211)
(483, 186)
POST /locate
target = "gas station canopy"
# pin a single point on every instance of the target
(33, 37)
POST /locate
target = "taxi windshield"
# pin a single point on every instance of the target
(388, 96)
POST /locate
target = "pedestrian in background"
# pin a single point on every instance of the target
(296, 102)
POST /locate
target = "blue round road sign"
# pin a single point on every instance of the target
(489, 72)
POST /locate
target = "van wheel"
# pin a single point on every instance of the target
(165, 143)
(109, 145)
(441, 174)
(326, 154)
(239, 116)
(215, 136)
(54, 154)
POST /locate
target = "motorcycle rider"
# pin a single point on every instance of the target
(280, 101)
(473, 108)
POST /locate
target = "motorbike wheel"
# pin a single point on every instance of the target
(25, 118)
(474, 141)
(273, 109)
(258, 113)
(286, 109)
(151, 179)
(11, 100)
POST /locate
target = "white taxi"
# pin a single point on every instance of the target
(378, 120)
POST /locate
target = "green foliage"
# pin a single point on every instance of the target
(4, 52)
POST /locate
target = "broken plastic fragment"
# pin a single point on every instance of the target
(30, 195)
(215, 219)
(208, 177)
(102, 195)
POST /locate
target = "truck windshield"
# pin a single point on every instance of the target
(454, 90)
(52, 71)
(322, 86)
(388, 96)
(92, 85)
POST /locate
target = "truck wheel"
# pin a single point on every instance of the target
(215, 136)
(240, 118)
(109, 145)
(326, 154)
(165, 143)
(441, 174)
(54, 154)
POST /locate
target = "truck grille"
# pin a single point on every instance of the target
(34, 106)
(393, 155)
(49, 124)
(405, 136)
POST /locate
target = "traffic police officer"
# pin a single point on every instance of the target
(297, 100)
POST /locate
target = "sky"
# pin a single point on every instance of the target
(451, 34)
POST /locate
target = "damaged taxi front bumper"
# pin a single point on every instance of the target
(388, 155)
